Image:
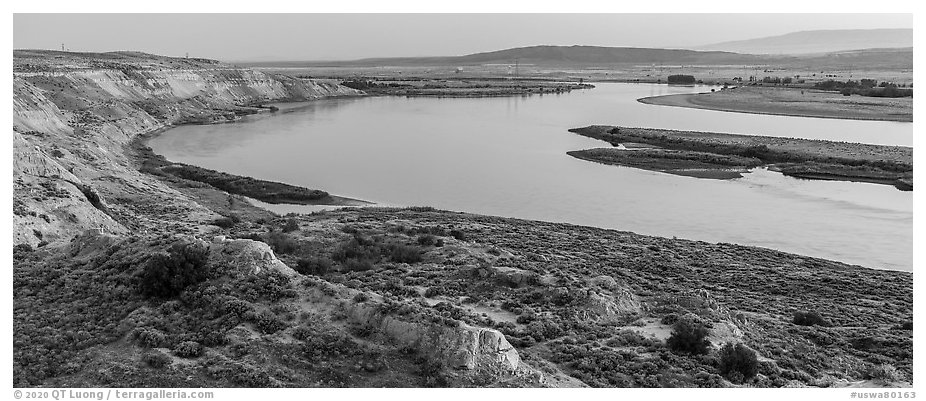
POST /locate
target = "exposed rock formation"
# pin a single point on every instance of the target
(244, 256)
(74, 112)
(463, 347)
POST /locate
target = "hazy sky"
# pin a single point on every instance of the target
(241, 37)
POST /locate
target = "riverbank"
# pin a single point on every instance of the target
(802, 158)
(272, 192)
(796, 102)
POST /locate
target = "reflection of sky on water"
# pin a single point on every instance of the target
(506, 156)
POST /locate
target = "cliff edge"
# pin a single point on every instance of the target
(74, 112)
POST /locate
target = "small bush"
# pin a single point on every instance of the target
(24, 248)
(226, 221)
(405, 254)
(282, 243)
(290, 226)
(313, 266)
(358, 248)
(156, 359)
(738, 363)
(809, 319)
(358, 265)
(430, 240)
(432, 373)
(168, 274)
(689, 335)
(670, 319)
(21, 251)
(213, 339)
(458, 235)
(149, 337)
(885, 373)
(188, 349)
(268, 323)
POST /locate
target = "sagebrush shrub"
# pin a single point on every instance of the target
(188, 349)
(808, 318)
(290, 226)
(168, 274)
(738, 362)
(885, 373)
(156, 359)
(150, 337)
(405, 254)
(268, 323)
(689, 335)
(281, 242)
(226, 221)
(458, 235)
(313, 266)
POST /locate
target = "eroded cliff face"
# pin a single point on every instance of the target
(74, 113)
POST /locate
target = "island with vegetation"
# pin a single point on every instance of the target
(716, 155)
(468, 87)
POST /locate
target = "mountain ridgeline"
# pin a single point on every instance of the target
(820, 41)
(603, 56)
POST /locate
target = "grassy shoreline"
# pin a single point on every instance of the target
(796, 102)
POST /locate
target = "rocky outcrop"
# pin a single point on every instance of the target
(610, 307)
(241, 257)
(508, 276)
(610, 300)
(468, 352)
(462, 347)
(73, 113)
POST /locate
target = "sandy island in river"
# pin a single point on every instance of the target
(793, 102)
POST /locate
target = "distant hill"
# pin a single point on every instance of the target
(559, 56)
(865, 59)
(827, 41)
(553, 55)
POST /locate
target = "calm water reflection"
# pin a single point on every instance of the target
(506, 156)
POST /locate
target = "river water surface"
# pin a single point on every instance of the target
(507, 157)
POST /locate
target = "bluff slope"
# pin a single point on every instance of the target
(74, 112)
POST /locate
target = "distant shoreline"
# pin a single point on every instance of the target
(786, 102)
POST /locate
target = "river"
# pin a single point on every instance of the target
(507, 157)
